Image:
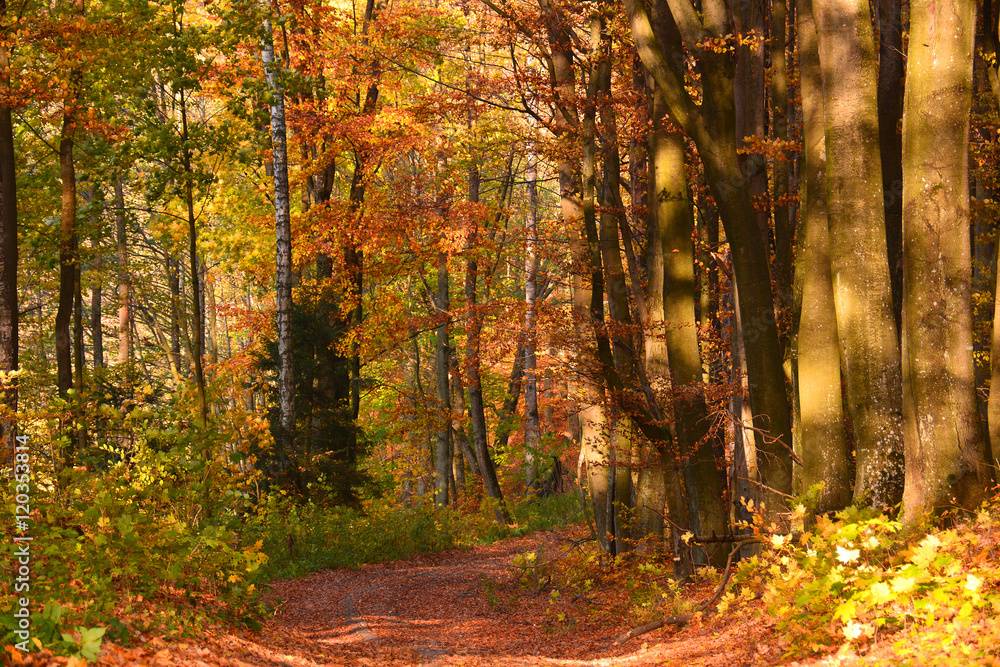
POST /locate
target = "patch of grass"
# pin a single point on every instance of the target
(300, 538)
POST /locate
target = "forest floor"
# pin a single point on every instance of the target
(467, 607)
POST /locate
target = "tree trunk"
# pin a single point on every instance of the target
(598, 453)
(474, 326)
(532, 430)
(283, 234)
(820, 440)
(443, 451)
(784, 223)
(96, 294)
(121, 241)
(675, 290)
(8, 243)
(174, 283)
(68, 258)
(712, 127)
(860, 266)
(890, 111)
(197, 317)
(946, 453)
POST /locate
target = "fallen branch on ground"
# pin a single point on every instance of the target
(707, 606)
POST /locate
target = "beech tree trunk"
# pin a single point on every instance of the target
(860, 267)
(477, 413)
(96, 294)
(197, 317)
(946, 453)
(890, 111)
(68, 258)
(820, 440)
(712, 126)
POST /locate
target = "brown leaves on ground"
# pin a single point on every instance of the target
(459, 607)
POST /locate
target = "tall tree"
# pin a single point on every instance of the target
(9, 339)
(532, 430)
(820, 438)
(862, 292)
(124, 305)
(946, 453)
(712, 126)
(283, 235)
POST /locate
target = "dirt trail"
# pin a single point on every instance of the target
(455, 608)
(431, 610)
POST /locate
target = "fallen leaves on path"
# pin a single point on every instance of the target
(457, 608)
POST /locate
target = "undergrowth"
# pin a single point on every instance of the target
(861, 580)
(299, 538)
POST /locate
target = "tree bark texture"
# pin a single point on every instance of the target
(859, 260)
(712, 127)
(946, 453)
(821, 440)
(283, 235)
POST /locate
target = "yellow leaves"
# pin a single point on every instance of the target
(778, 541)
(901, 585)
(880, 593)
(973, 583)
(853, 630)
(846, 556)
(924, 553)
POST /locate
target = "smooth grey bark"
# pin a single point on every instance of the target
(860, 269)
(283, 240)
(946, 453)
(820, 439)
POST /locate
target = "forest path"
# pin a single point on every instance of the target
(463, 608)
(433, 610)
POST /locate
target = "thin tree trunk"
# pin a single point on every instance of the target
(283, 255)
(784, 224)
(9, 338)
(174, 282)
(443, 451)
(946, 453)
(124, 313)
(96, 294)
(68, 257)
(890, 111)
(477, 411)
(623, 338)
(532, 430)
(198, 320)
(597, 446)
